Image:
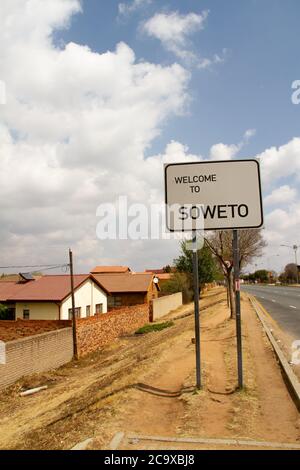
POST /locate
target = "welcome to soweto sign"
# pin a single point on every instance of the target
(213, 195)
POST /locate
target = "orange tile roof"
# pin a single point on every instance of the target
(110, 269)
(127, 282)
(48, 288)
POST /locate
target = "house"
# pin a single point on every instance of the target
(128, 288)
(8, 289)
(111, 270)
(49, 298)
(162, 276)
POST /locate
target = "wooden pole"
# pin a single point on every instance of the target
(74, 326)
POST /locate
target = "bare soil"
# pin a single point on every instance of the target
(145, 385)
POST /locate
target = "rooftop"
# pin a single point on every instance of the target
(126, 282)
(110, 270)
(47, 288)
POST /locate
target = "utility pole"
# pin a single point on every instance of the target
(295, 248)
(74, 326)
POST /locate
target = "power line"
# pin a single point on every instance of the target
(45, 266)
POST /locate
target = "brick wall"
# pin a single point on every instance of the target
(96, 332)
(36, 354)
(12, 330)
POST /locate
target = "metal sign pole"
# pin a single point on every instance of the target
(197, 314)
(238, 307)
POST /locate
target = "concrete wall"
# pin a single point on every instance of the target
(38, 310)
(164, 305)
(36, 354)
(88, 294)
(96, 332)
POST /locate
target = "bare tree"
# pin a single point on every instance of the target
(251, 244)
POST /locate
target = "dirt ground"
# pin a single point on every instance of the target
(145, 386)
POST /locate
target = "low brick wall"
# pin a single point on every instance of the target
(12, 330)
(96, 332)
(164, 305)
(36, 354)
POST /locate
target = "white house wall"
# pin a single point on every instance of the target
(88, 294)
(38, 310)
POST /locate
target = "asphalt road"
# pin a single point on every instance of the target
(282, 303)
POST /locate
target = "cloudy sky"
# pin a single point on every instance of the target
(99, 94)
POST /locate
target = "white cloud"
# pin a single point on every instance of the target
(174, 30)
(73, 133)
(223, 151)
(131, 7)
(249, 134)
(282, 162)
(280, 196)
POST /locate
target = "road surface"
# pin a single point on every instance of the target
(282, 303)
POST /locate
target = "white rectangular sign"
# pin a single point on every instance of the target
(213, 195)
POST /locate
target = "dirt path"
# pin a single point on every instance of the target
(145, 385)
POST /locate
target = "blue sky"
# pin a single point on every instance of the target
(252, 89)
(100, 94)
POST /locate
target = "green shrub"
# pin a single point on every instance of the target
(154, 327)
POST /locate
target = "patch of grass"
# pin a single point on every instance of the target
(154, 327)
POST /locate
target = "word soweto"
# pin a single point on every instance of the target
(220, 212)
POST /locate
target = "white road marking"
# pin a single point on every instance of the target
(292, 306)
(274, 301)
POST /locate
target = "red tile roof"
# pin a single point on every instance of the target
(48, 288)
(8, 289)
(110, 270)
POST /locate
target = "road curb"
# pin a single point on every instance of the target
(292, 378)
(135, 439)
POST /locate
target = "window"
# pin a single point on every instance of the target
(77, 313)
(26, 314)
(99, 309)
(88, 311)
(114, 301)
